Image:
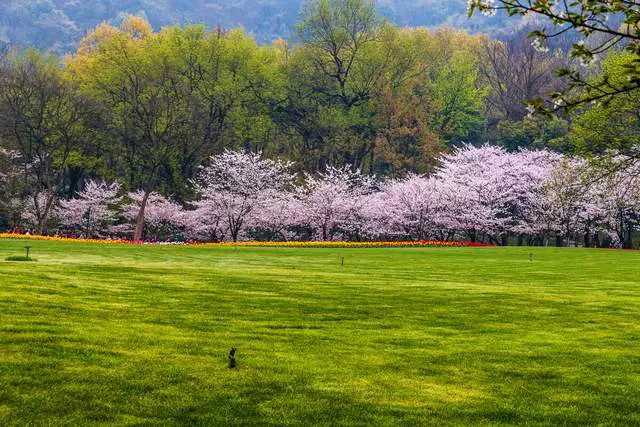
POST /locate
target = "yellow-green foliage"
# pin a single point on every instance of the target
(613, 125)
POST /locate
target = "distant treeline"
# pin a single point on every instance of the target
(58, 26)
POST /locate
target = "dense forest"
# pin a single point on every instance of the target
(58, 25)
(148, 108)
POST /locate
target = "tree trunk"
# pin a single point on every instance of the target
(628, 241)
(559, 241)
(42, 216)
(140, 218)
(597, 243)
(235, 225)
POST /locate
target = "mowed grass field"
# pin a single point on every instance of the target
(93, 334)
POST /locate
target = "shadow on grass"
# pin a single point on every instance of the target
(20, 258)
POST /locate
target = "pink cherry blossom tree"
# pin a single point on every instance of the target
(529, 205)
(413, 207)
(239, 186)
(31, 213)
(93, 210)
(618, 196)
(205, 222)
(480, 189)
(278, 218)
(163, 218)
(568, 198)
(332, 204)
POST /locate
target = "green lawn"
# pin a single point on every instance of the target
(95, 334)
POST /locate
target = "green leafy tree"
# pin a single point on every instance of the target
(339, 36)
(43, 120)
(533, 133)
(132, 73)
(614, 125)
(330, 79)
(459, 100)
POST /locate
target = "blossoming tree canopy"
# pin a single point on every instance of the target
(238, 184)
(413, 206)
(483, 194)
(93, 209)
(333, 202)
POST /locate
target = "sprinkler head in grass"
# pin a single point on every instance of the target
(232, 358)
(21, 257)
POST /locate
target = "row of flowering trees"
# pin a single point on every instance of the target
(478, 194)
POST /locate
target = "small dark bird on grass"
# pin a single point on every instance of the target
(232, 358)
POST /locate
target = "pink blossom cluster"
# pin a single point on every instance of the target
(481, 194)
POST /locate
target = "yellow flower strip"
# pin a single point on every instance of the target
(330, 244)
(61, 239)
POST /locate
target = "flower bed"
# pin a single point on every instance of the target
(331, 244)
